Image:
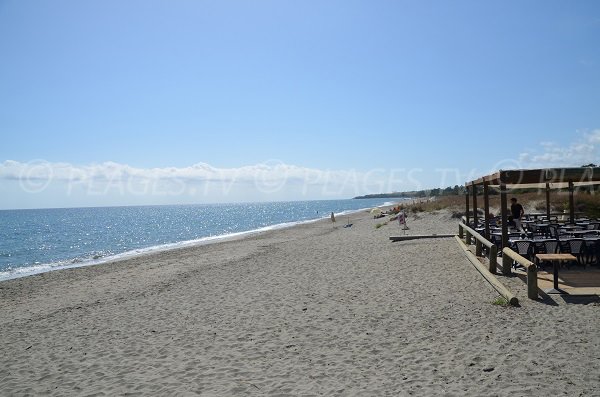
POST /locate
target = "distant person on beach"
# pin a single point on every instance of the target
(517, 213)
(332, 218)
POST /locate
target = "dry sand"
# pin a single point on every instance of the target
(309, 310)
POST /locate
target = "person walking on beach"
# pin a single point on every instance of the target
(517, 213)
(332, 218)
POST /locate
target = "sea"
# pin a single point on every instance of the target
(41, 240)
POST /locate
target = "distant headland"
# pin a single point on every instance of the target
(449, 191)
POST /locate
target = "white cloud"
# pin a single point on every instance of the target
(585, 150)
(110, 183)
(271, 171)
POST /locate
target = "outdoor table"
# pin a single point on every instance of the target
(496, 237)
(555, 259)
(542, 239)
(570, 228)
(542, 227)
(582, 233)
(591, 237)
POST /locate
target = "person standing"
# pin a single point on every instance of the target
(517, 214)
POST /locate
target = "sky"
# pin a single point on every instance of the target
(181, 102)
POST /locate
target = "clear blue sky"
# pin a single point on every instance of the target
(325, 85)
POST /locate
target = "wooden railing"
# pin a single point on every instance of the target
(508, 255)
(494, 282)
(468, 233)
(532, 284)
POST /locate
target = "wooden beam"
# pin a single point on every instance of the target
(492, 179)
(475, 217)
(486, 209)
(541, 176)
(548, 201)
(467, 204)
(420, 237)
(571, 203)
(479, 241)
(531, 269)
(504, 211)
(490, 278)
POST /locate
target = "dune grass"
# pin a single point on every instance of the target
(588, 203)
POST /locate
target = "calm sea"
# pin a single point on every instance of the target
(35, 241)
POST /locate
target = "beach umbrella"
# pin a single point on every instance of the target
(376, 211)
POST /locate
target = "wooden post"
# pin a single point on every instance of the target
(504, 211)
(460, 231)
(571, 203)
(548, 201)
(477, 247)
(486, 208)
(506, 264)
(467, 204)
(474, 193)
(532, 282)
(532, 287)
(493, 259)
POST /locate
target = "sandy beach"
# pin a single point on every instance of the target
(316, 309)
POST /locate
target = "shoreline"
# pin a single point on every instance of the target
(316, 309)
(156, 249)
(41, 268)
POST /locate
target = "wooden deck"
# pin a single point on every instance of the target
(573, 281)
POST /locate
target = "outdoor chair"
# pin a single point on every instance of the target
(523, 248)
(545, 247)
(593, 226)
(536, 231)
(553, 231)
(539, 247)
(564, 246)
(592, 252)
(577, 249)
(551, 247)
(497, 241)
(589, 233)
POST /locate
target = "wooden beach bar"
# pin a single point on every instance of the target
(547, 179)
(529, 248)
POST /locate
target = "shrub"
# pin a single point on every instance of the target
(500, 301)
(416, 208)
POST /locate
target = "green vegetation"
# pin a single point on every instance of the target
(500, 301)
(586, 199)
(449, 191)
(456, 203)
(587, 202)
